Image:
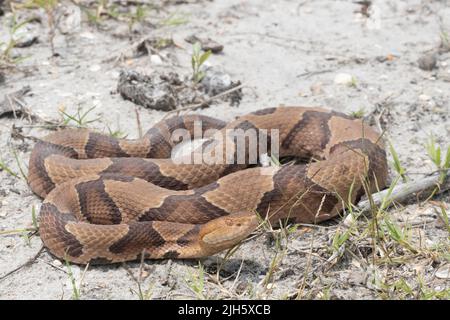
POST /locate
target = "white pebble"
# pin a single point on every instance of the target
(156, 59)
(424, 97)
(87, 35)
(443, 272)
(57, 263)
(95, 68)
(343, 78)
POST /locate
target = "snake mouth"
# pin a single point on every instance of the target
(225, 232)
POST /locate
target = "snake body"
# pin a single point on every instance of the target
(109, 200)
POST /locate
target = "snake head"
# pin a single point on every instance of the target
(225, 232)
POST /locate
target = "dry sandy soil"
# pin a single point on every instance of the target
(283, 52)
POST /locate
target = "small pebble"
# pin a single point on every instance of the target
(215, 80)
(206, 43)
(155, 59)
(26, 41)
(70, 19)
(57, 263)
(87, 35)
(428, 62)
(121, 31)
(381, 58)
(95, 68)
(424, 97)
(443, 272)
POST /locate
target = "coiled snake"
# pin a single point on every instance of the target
(110, 200)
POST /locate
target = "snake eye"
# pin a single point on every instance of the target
(227, 231)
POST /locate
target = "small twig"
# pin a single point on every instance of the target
(237, 276)
(130, 273)
(141, 267)
(313, 73)
(8, 106)
(53, 266)
(80, 284)
(16, 231)
(11, 106)
(168, 268)
(27, 263)
(138, 121)
(207, 101)
(302, 284)
(16, 134)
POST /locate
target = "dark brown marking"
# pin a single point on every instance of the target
(140, 235)
(310, 119)
(99, 145)
(41, 151)
(376, 154)
(230, 168)
(264, 112)
(55, 222)
(171, 254)
(291, 179)
(188, 208)
(175, 123)
(159, 146)
(117, 177)
(211, 123)
(99, 261)
(96, 205)
(189, 236)
(246, 126)
(144, 169)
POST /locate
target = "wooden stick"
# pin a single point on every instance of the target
(401, 193)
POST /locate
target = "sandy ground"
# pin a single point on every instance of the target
(284, 52)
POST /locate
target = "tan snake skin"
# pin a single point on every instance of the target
(110, 200)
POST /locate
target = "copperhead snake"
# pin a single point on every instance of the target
(109, 200)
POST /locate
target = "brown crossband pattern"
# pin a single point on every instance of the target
(109, 200)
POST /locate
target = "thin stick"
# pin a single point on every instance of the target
(27, 263)
(138, 121)
(400, 193)
(199, 105)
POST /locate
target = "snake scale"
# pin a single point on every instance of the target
(110, 200)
